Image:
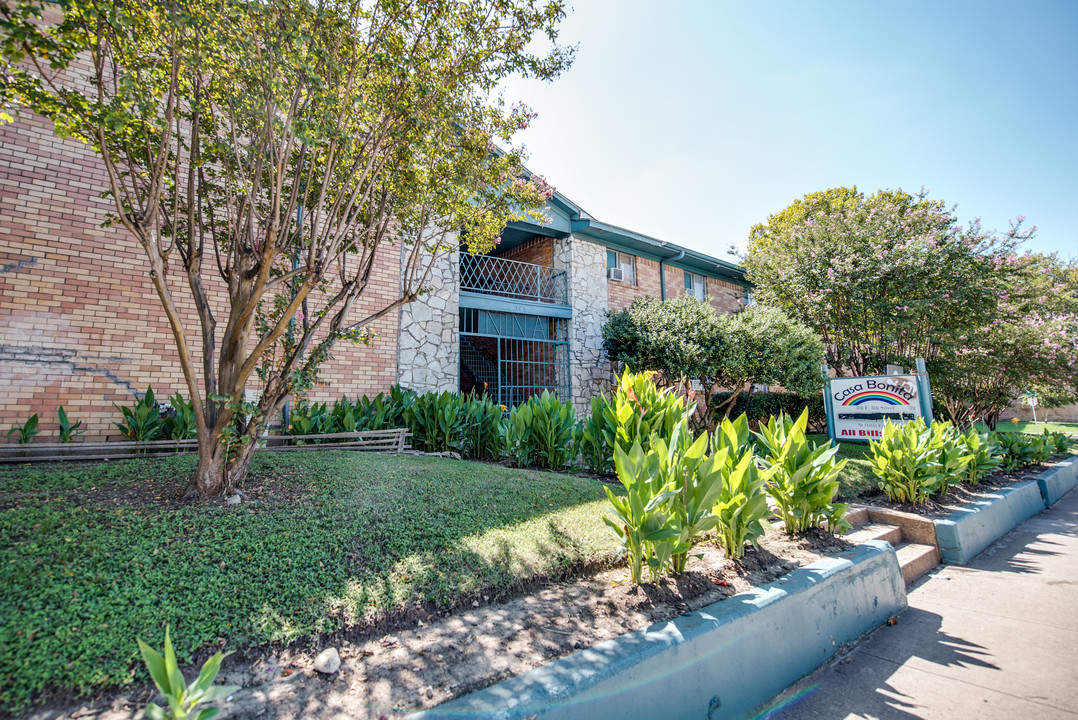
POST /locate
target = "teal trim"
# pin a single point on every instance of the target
(644, 246)
(508, 305)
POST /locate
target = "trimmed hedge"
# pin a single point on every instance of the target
(760, 406)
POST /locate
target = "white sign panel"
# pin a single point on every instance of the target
(863, 405)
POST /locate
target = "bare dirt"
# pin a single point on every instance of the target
(390, 672)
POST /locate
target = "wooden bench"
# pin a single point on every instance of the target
(385, 441)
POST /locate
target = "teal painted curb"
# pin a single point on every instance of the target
(1058, 481)
(965, 533)
(722, 661)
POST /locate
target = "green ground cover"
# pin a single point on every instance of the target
(93, 556)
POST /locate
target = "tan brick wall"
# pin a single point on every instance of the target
(621, 295)
(80, 324)
(538, 251)
(724, 297)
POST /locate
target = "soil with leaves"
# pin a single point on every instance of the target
(519, 571)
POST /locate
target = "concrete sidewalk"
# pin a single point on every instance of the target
(995, 639)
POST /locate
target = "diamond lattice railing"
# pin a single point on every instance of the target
(513, 279)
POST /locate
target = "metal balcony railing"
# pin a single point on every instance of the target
(513, 279)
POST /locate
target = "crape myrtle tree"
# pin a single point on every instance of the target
(684, 339)
(883, 278)
(1031, 341)
(893, 277)
(272, 151)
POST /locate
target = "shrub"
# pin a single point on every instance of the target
(182, 698)
(758, 407)
(540, 432)
(948, 453)
(804, 478)
(904, 462)
(25, 432)
(67, 430)
(643, 514)
(1060, 443)
(741, 508)
(983, 452)
(436, 421)
(590, 438)
(1041, 449)
(142, 421)
(309, 419)
(696, 482)
(482, 429)
(179, 423)
(1016, 448)
(639, 411)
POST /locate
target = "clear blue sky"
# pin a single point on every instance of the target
(692, 120)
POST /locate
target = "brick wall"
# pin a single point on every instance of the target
(621, 295)
(80, 324)
(538, 251)
(724, 297)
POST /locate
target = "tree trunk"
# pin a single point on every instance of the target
(221, 469)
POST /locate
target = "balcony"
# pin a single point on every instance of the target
(513, 279)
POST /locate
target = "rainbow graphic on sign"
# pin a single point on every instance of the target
(883, 396)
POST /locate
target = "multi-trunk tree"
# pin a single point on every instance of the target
(264, 155)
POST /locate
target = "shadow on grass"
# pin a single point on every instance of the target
(357, 540)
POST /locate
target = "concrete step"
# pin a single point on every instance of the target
(857, 516)
(875, 531)
(916, 559)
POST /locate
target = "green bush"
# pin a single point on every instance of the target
(639, 411)
(759, 407)
(983, 452)
(68, 430)
(904, 462)
(590, 438)
(948, 454)
(309, 419)
(436, 421)
(804, 478)
(25, 433)
(1058, 441)
(540, 432)
(741, 508)
(482, 431)
(183, 698)
(643, 513)
(142, 421)
(179, 423)
(1017, 449)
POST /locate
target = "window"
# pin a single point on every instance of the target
(626, 263)
(695, 285)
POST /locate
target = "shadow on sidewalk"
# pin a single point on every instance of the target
(857, 683)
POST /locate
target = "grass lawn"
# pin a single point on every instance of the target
(93, 556)
(1035, 428)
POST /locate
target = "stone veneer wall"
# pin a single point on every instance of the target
(589, 370)
(428, 345)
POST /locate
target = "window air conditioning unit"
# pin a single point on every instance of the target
(615, 274)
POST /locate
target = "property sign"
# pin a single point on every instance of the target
(859, 407)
